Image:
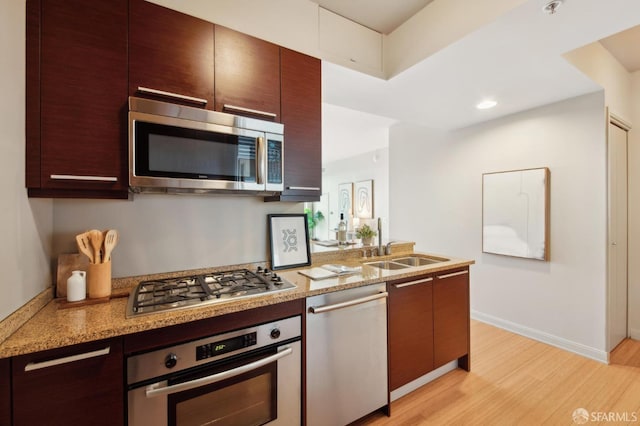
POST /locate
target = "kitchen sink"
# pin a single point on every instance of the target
(418, 261)
(387, 265)
(406, 262)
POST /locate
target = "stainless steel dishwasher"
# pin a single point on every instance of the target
(346, 346)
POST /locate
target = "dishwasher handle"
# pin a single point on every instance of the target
(327, 308)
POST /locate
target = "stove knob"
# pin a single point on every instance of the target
(266, 271)
(259, 269)
(171, 360)
(275, 333)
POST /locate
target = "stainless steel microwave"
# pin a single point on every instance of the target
(176, 148)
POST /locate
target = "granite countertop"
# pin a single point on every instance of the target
(52, 327)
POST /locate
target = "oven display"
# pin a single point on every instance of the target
(223, 346)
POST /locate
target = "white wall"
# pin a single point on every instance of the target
(440, 176)
(25, 224)
(369, 165)
(634, 209)
(602, 67)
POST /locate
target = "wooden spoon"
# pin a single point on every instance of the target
(96, 239)
(110, 241)
(84, 245)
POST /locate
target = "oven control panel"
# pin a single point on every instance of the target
(220, 347)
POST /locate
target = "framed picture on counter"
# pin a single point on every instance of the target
(289, 241)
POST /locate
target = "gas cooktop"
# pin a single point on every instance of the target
(197, 290)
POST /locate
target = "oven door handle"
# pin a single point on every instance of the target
(154, 389)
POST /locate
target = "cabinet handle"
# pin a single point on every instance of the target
(410, 283)
(304, 188)
(248, 110)
(89, 178)
(178, 96)
(327, 308)
(67, 359)
(453, 274)
(155, 390)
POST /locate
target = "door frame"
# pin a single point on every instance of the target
(616, 120)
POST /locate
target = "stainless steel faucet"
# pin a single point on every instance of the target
(387, 249)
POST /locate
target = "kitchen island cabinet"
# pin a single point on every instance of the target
(171, 52)
(451, 318)
(410, 329)
(76, 85)
(302, 119)
(5, 391)
(247, 75)
(75, 385)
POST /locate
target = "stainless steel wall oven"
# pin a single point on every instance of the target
(245, 377)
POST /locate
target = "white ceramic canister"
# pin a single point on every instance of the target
(77, 286)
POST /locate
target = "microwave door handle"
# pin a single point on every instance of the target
(154, 389)
(261, 160)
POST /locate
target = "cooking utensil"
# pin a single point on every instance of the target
(96, 239)
(110, 241)
(84, 245)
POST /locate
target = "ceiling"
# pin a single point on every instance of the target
(515, 60)
(383, 16)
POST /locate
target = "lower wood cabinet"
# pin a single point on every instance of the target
(5, 391)
(451, 317)
(75, 385)
(410, 329)
(428, 324)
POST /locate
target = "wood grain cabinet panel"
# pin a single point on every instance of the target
(247, 75)
(302, 119)
(410, 329)
(451, 317)
(77, 76)
(171, 52)
(83, 386)
(5, 391)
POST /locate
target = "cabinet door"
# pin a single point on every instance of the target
(451, 317)
(302, 118)
(170, 52)
(83, 86)
(77, 385)
(5, 392)
(247, 75)
(410, 329)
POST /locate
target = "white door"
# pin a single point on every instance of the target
(617, 262)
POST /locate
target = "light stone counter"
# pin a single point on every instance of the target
(52, 327)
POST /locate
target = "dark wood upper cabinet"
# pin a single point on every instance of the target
(302, 119)
(170, 52)
(410, 329)
(76, 98)
(247, 75)
(75, 385)
(451, 318)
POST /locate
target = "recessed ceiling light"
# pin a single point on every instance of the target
(486, 104)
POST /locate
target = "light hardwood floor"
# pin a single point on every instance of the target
(518, 381)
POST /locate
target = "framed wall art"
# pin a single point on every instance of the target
(345, 199)
(363, 199)
(289, 240)
(515, 213)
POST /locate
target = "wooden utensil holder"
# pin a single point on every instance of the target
(99, 280)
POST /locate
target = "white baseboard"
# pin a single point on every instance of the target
(634, 333)
(541, 336)
(421, 381)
